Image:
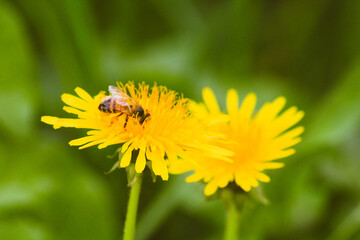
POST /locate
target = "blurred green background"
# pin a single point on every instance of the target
(308, 51)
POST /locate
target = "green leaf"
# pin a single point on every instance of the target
(18, 88)
(338, 115)
(45, 19)
(348, 226)
(24, 229)
(48, 193)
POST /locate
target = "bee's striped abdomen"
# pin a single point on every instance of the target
(112, 105)
(105, 106)
(109, 106)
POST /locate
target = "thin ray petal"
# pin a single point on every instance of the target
(210, 101)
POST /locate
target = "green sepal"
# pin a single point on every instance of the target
(131, 174)
(117, 151)
(114, 167)
(148, 163)
(214, 196)
(230, 197)
(232, 192)
(257, 194)
(117, 164)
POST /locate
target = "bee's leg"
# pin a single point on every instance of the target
(142, 120)
(115, 117)
(126, 120)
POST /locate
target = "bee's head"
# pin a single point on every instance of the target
(139, 111)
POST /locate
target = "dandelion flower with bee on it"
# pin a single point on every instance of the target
(256, 139)
(152, 124)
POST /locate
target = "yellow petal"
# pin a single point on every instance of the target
(269, 111)
(288, 136)
(247, 106)
(72, 110)
(172, 156)
(286, 144)
(210, 188)
(160, 169)
(125, 146)
(286, 120)
(224, 180)
(180, 166)
(194, 178)
(232, 101)
(49, 120)
(83, 94)
(141, 161)
(84, 140)
(242, 181)
(281, 154)
(74, 101)
(62, 122)
(272, 165)
(165, 175)
(276, 107)
(111, 140)
(210, 101)
(245, 186)
(262, 177)
(90, 144)
(126, 159)
(158, 163)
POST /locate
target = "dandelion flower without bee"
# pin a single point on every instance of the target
(170, 131)
(257, 139)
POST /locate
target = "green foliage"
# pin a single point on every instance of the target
(307, 51)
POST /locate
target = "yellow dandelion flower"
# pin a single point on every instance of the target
(168, 132)
(256, 140)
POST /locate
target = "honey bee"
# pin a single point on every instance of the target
(120, 102)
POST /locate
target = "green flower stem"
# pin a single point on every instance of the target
(234, 202)
(130, 221)
(232, 222)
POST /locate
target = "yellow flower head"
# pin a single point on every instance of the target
(168, 133)
(256, 140)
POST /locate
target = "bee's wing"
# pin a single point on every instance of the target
(117, 92)
(105, 98)
(123, 102)
(120, 97)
